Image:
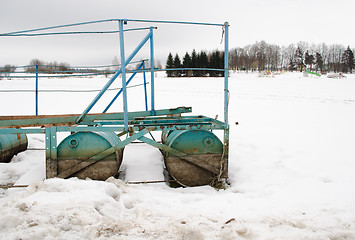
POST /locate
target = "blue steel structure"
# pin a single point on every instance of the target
(133, 124)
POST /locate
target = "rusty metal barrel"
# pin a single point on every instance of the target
(12, 144)
(202, 162)
(80, 146)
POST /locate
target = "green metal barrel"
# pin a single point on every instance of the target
(201, 164)
(12, 144)
(80, 146)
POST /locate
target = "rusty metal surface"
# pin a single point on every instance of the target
(75, 156)
(201, 158)
(12, 144)
(188, 174)
(70, 119)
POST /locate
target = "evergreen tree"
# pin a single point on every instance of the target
(319, 61)
(309, 59)
(347, 60)
(215, 62)
(198, 65)
(203, 62)
(177, 64)
(194, 62)
(169, 64)
(186, 63)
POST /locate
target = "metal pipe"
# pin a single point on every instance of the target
(110, 20)
(174, 22)
(36, 90)
(152, 72)
(123, 69)
(145, 87)
(60, 26)
(67, 33)
(226, 68)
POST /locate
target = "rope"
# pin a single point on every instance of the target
(222, 35)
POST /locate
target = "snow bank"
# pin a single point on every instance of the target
(291, 168)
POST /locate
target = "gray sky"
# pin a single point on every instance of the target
(276, 21)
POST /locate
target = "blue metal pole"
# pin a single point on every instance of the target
(123, 68)
(224, 166)
(152, 71)
(145, 87)
(36, 89)
(226, 66)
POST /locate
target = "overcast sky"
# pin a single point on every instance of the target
(276, 21)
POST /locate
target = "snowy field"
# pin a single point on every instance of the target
(292, 166)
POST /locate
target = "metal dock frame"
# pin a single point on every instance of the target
(136, 124)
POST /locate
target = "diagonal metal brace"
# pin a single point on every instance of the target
(186, 157)
(102, 155)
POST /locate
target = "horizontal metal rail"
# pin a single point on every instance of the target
(69, 33)
(71, 67)
(111, 20)
(174, 22)
(65, 91)
(60, 26)
(109, 72)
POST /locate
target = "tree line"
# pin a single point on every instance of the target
(213, 60)
(262, 56)
(49, 67)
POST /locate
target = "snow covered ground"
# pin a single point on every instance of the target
(292, 166)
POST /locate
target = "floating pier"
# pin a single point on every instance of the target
(193, 154)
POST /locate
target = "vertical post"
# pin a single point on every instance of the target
(224, 170)
(51, 152)
(123, 69)
(152, 71)
(226, 71)
(145, 87)
(36, 97)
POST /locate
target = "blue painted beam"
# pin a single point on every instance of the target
(36, 97)
(174, 22)
(145, 87)
(226, 72)
(67, 33)
(123, 68)
(59, 26)
(152, 94)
